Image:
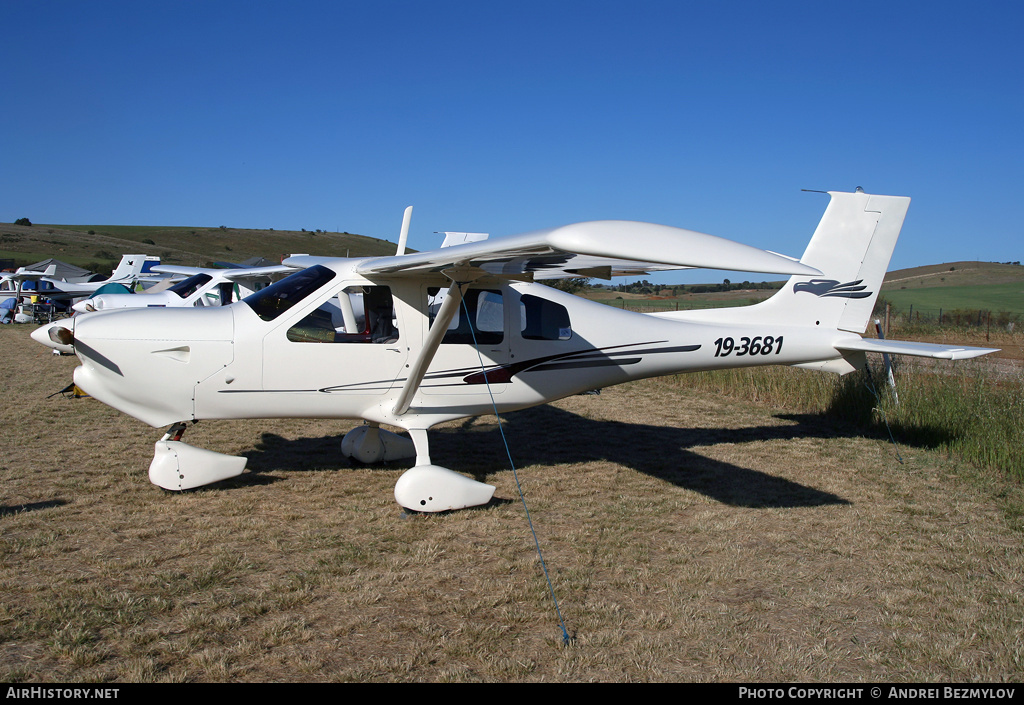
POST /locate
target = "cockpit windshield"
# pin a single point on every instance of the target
(277, 298)
(186, 287)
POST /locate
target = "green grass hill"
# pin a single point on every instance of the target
(957, 286)
(99, 247)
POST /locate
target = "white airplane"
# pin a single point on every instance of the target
(200, 287)
(12, 287)
(11, 282)
(499, 341)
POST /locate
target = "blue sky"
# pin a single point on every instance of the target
(505, 117)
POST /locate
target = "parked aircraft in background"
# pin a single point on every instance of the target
(13, 291)
(200, 287)
(131, 270)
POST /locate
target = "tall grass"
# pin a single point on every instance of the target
(966, 409)
(989, 333)
(972, 413)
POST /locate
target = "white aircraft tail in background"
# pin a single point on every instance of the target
(132, 267)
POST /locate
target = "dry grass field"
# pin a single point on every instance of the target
(689, 537)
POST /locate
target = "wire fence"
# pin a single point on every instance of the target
(959, 317)
(966, 318)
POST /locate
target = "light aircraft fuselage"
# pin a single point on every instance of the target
(236, 364)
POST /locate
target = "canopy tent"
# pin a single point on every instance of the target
(111, 288)
(65, 271)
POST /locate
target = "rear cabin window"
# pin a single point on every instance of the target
(486, 316)
(540, 319)
(227, 291)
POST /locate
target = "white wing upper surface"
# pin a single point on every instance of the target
(234, 273)
(603, 248)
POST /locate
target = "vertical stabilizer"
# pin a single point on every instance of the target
(133, 265)
(851, 248)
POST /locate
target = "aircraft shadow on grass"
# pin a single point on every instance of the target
(547, 435)
(9, 509)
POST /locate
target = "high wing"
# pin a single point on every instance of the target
(602, 248)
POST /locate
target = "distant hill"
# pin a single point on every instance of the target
(957, 286)
(928, 289)
(99, 247)
(954, 274)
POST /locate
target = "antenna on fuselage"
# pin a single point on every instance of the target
(404, 235)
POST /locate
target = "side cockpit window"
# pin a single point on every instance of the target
(357, 314)
(540, 319)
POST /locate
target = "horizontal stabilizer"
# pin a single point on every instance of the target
(25, 274)
(903, 347)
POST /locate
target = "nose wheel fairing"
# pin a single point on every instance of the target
(179, 466)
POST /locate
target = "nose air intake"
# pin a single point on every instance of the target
(58, 335)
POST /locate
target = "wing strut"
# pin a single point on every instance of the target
(449, 307)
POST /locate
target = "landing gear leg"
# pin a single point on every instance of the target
(431, 488)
